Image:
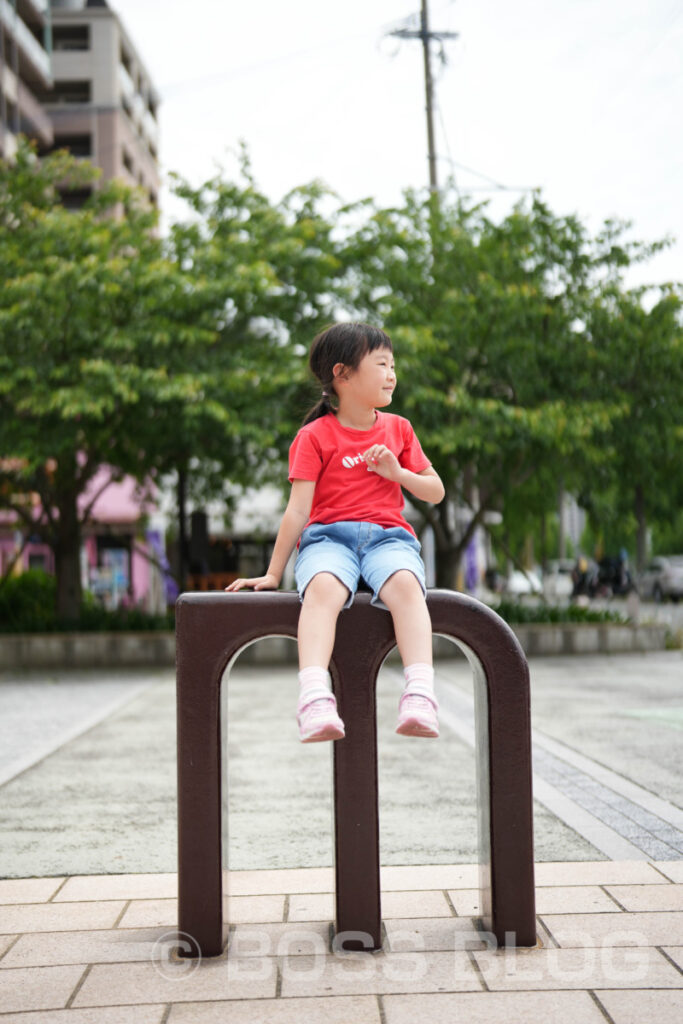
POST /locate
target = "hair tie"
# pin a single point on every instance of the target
(325, 394)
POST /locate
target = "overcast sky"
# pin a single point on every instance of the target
(582, 99)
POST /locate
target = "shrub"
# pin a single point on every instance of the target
(516, 613)
(28, 602)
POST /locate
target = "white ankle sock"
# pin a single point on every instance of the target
(314, 677)
(419, 676)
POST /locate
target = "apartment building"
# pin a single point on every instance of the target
(25, 72)
(70, 77)
(103, 104)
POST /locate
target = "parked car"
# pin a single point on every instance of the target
(663, 578)
(519, 583)
(557, 578)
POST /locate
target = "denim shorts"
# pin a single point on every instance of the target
(349, 550)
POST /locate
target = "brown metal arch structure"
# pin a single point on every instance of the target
(212, 629)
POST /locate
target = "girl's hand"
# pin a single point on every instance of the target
(381, 460)
(267, 582)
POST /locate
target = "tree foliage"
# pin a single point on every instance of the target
(524, 362)
(637, 362)
(98, 331)
(271, 272)
(489, 320)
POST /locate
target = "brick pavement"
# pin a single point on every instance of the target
(101, 950)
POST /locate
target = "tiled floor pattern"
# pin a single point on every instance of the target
(101, 950)
(650, 833)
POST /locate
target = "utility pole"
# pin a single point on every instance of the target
(426, 36)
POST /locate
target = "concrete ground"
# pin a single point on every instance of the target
(88, 914)
(88, 763)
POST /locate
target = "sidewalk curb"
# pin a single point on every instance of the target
(140, 649)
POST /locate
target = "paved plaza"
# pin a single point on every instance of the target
(88, 856)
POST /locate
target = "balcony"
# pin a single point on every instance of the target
(66, 93)
(35, 122)
(70, 38)
(126, 85)
(29, 47)
(151, 128)
(36, 9)
(80, 146)
(8, 143)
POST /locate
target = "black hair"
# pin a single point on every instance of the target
(344, 343)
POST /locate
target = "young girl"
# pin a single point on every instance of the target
(347, 465)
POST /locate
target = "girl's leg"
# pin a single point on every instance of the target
(402, 594)
(317, 716)
(324, 598)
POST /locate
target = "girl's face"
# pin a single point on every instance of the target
(373, 381)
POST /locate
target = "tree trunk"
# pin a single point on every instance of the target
(543, 527)
(641, 536)
(67, 552)
(447, 563)
(183, 540)
(562, 533)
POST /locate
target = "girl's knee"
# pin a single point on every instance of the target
(402, 586)
(327, 589)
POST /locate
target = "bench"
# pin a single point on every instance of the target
(212, 629)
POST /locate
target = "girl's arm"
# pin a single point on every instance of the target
(293, 521)
(426, 486)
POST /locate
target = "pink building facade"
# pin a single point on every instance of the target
(123, 561)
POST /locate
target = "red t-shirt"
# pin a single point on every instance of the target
(346, 490)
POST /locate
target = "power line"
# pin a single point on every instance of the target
(416, 26)
(495, 186)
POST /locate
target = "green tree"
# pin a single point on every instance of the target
(487, 319)
(97, 331)
(272, 273)
(637, 360)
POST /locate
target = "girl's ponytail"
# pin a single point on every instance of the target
(321, 407)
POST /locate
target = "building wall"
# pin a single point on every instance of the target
(24, 72)
(118, 110)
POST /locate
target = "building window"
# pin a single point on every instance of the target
(69, 92)
(78, 145)
(75, 198)
(71, 37)
(128, 162)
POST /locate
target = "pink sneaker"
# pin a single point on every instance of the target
(417, 714)
(317, 716)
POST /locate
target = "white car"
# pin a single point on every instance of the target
(557, 579)
(519, 583)
(663, 578)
